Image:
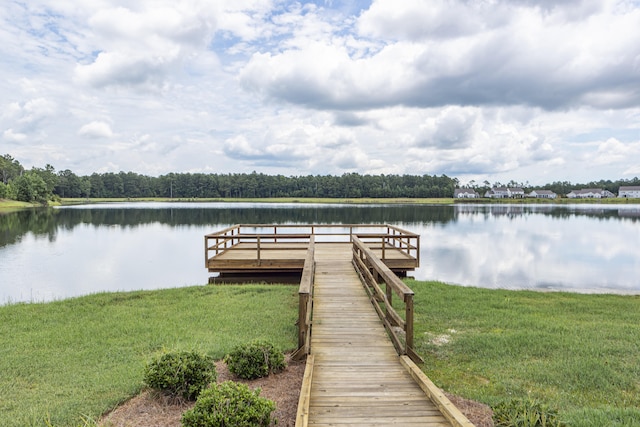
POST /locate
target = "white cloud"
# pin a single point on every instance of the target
(32, 111)
(441, 19)
(96, 129)
(517, 56)
(12, 136)
(141, 47)
(239, 147)
(452, 128)
(497, 90)
(613, 151)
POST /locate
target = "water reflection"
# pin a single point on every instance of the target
(575, 248)
(57, 253)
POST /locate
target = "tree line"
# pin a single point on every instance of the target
(40, 185)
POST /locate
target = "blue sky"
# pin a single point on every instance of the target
(492, 90)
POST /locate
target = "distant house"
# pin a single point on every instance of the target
(629, 191)
(543, 194)
(505, 192)
(590, 193)
(465, 193)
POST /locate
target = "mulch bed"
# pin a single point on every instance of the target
(152, 409)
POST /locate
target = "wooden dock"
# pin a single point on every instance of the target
(260, 249)
(358, 378)
(360, 367)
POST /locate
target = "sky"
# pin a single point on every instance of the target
(526, 90)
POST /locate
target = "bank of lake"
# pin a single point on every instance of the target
(13, 204)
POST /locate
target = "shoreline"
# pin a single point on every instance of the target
(6, 205)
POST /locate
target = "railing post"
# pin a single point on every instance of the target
(302, 316)
(305, 302)
(258, 248)
(408, 301)
(206, 252)
(389, 292)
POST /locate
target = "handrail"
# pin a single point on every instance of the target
(228, 242)
(304, 400)
(380, 236)
(238, 228)
(305, 303)
(372, 271)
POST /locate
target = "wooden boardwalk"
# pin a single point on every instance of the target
(358, 378)
(360, 368)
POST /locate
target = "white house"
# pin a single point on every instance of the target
(465, 193)
(629, 191)
(505, 192)
(543, 194)
(590, 193)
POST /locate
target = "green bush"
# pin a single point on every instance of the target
(229, 404)
(181, 374)
(255, 360)
(525, 413)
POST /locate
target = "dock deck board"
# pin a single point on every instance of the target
(358, 378)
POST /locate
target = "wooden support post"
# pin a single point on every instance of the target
(258, 249)
(408, 323)
(302, 316)
(389, 292)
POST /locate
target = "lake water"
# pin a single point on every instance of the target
(48, 254)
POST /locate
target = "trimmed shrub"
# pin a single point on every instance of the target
(181, 374)
(229, 404)
(255, 360)
(525, 413)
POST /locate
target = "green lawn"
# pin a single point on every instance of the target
(13, 204)
(580, 353)
(80, 357)
(76, 358)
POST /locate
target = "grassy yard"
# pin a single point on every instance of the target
(13, 204)
(76, 358)
(81, 357)
(579, 353)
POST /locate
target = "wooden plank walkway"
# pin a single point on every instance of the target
(358, 378)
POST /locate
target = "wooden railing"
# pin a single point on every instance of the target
(305, 303)
(375, 273)
(378, 236)
(394, 238)
(229, 239)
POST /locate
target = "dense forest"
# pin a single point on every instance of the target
(41, 185)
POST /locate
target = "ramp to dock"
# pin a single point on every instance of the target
(358, 378)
